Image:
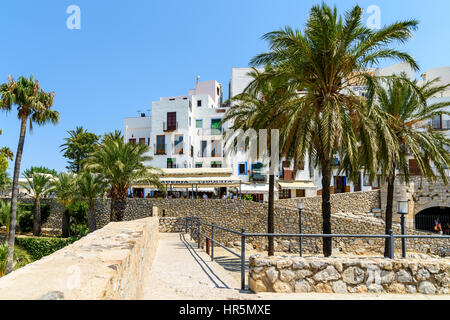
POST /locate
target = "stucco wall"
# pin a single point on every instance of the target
(109, 263)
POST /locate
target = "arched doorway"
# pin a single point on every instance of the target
(427, 219)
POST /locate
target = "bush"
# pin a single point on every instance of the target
(26, 217)
(39, 247)
(21, 258)
(78, 212)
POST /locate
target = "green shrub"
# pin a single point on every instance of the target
(21, 258)
(39, 247)
(26, 217)
(78, 212)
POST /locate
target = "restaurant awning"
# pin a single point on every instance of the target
(297, 185)
(203, 182)
(256, 188)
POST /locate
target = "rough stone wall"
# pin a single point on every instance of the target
(106, 264)
(348, 275)
(421, 194)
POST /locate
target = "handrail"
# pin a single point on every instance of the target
(189, 223)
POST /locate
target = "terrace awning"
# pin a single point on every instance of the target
(297, 185)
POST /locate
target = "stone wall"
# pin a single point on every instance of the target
(348, 275)
(106, 264)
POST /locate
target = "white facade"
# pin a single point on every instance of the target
(191, 137)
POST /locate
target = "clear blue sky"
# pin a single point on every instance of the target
(129, 53)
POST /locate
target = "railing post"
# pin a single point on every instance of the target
(391, 244)
(243, 259)
(190, 227)
(186, 225)
(198, 228)
(212, 241)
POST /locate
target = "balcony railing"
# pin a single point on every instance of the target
(210, 132)
(178, 148)
(160, 151)
(172, 127)
(441, 125)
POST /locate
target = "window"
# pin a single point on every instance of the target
(199, 123)
(242, 168)
(178, 144)
(198, 164)
(132, 141)
(161, 144)
(215, 148)
(171, 121)
(204, 144)
(190, 121)
(199, 103)
(216, 164)
(218, 91)
(171, 163)
(284, 194)
(142, 140)
(216, 128)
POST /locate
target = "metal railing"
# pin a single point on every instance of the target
(193, 226)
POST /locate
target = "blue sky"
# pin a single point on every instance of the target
(129, 53)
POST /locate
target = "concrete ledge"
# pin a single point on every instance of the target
(109, 263)
(285, 274)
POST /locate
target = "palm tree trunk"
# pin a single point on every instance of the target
(118, 206)
(388, 213)
(270, 217)
(326, 208)
(37, 218)
(65, 223)
(14, 196)
(92, 223)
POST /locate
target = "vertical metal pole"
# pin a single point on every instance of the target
(186, 225)
(212, 241)
(391, 244)
(190, 227)
(300, 231)
(198, 228)
(243, 259)
(403, 239)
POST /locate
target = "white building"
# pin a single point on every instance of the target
(186, 132)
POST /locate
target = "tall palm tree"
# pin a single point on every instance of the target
(33, 105)
(39, 185)
(323, 63)
(405, 110)
(255, 108)
(122, 164)
(90, 187)
(65, 188)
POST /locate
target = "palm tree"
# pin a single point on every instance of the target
(65, 187)
(78, 146)
(323, 63)
(255, 108)
(33, 104)
(405, 111)
(122, 164)
(39, 185)
(90, 187)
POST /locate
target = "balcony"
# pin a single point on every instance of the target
(210, 132)
(160, 151)
(178, 148)
(171, 127)
(214, 154)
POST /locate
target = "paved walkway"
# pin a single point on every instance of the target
(180, 271)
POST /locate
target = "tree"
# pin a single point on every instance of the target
(256, 108)
(323, 63)
(33, 105)
(39, 184)
(78, 146)
(122, 164)
(90, 187)
(65, 186)
(405, 111)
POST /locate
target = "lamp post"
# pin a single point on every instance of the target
(300, 208)
(403, 208)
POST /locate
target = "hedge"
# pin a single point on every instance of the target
(39, 247)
